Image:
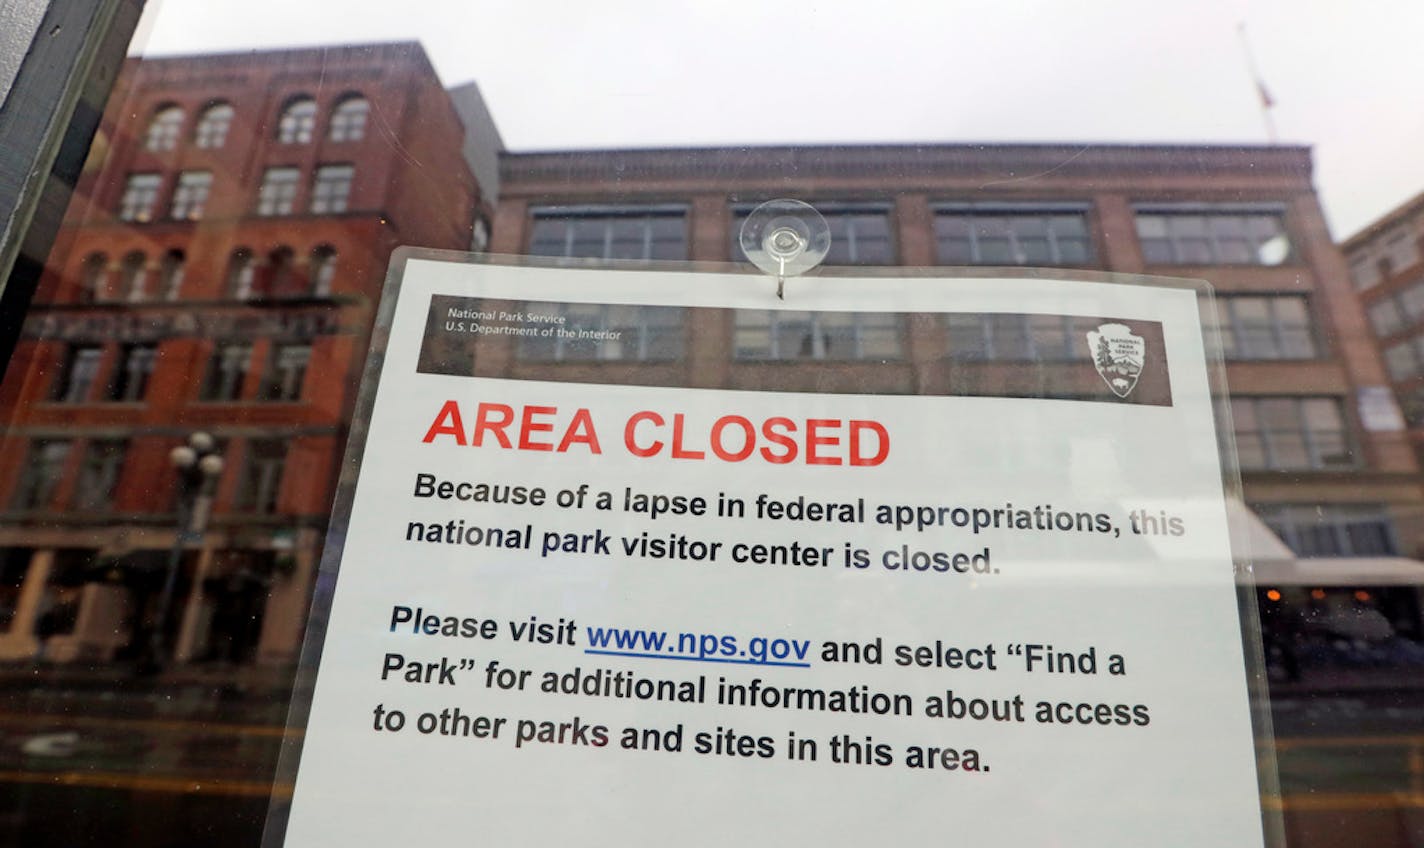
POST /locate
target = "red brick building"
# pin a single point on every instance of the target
(218, 271)
(1324, 460)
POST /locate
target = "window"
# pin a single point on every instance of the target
(133, 277)
(1411, 301)
(1386, 317)
(281, 273)
(608, 332)
(103, 460)
(323, 270)
(213, 124)
(1284, 434)
(77, 374)
(170, 274)
(298, 121)
(1331, 530)
(1364, 270)
(140, 198)
(40, 477)
(1405, 359)
(288, 370)
(1400, 361)
(860, 234)
(1400, 251)
(1212, 236)
(190, 198)
(241, 273)
(990, 235)
(129, 381)
(859, 237)
(93, 278)
(227, 372)
(1411, 403)
(631, 233)
(164, 130)
(331, 188)
(774, 334)
(278, 194)
(348, 119)
(1018, 338)
(261, 480)
(1264, 327)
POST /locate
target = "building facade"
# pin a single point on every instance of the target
(1323, 458)
(220, 266)
(217, 271)
(1387, 267)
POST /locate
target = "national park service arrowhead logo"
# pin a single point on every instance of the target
(1118, 354)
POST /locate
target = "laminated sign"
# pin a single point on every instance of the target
(651, 557)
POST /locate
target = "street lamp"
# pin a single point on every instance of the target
(197, 464)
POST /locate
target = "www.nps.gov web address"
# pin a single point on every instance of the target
(698, 647)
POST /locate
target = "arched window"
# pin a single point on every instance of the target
(133, 277)
(165, 128)
(298, 121)
(213, 124)
(170, 274)
(348, 119)
(241, 270)
(323, 270)
(94, 278)
(281, 272)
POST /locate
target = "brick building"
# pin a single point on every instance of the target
(1387, 266)
(217, 271)
(1323, 459)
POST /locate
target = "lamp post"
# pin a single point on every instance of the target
(197, 463)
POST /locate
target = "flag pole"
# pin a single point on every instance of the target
(1262, 94)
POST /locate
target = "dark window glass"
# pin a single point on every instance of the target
(323, 270)
(98, 476)
(297, 123)
(607, 332)
(164, 130)
(213, 126)
(992, 236)
(241, 274)
(227, 372)
(621, 234)
(190, 196)
(140, 198)
(777, 334)
(261, 480)
(1332, 530)
(331, 189)
(40, 476)
(129, 380)
(77, 374)
(1264, 327)
(860, 235)
(1288, 433)
(1212, 236)
(348, 119)
(278, 193)
(286, 372)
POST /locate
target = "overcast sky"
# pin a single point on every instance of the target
(1347, 78)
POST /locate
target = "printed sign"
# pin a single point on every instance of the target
(645, 557)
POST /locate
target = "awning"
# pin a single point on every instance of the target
(1251, 538)
(1341, 571)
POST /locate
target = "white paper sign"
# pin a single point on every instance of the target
(582, 602)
